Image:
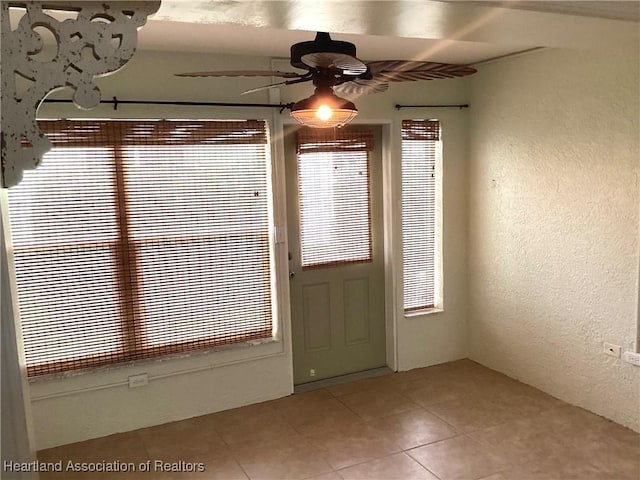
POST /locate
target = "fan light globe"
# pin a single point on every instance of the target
(324, 109)
(324, 112)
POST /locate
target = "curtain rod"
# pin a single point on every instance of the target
(460, 106)
(115, 102)
(282, 106)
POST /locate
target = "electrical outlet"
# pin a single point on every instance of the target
(613, 350)
(633, 358)
(138, 380)
(312, 372)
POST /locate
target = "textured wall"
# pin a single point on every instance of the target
(553, 231)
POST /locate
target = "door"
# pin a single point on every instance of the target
(334, 215)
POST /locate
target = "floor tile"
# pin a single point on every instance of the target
(413, 429)
(327, 476)
(574, 423)
(471, 414)
(350, 444)
(293, 458)
(437, 391)
(255, 426)
(398, 467)
(556, 468)
(260, 411)
(79, 475)
(363, 385)
(505, 475)
(612, 450)
(188, 440)
(315, 411)
(454, 421)
(459, 458)
(369, 405)
(221, 468)
(122, 447)
(476, 375)
(521, 440)
(301, 398)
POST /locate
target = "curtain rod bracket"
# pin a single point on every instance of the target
(285, 106)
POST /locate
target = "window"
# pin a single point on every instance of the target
(420, 144)
(333, 196)
(139, 239)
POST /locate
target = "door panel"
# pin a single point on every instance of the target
(317, 316)
(337, 309)
(356, 311)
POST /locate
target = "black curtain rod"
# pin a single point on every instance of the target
(115, 102)
(282, 106)
(460, 106)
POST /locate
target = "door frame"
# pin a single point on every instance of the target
(391, 238)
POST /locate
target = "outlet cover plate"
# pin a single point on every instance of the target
(138, 380)
(633, 358)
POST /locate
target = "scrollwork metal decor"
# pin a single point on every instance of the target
(99, 40)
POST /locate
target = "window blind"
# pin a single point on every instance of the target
(419, 148)
(334, 196)
(139, 239)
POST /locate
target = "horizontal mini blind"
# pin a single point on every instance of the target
(139, 239)
(419, 149)
(334, 196)
(64, 226)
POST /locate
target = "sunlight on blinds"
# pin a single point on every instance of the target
(139, 239)
(202, 236)
(65, 234)
(334, 198)
(419, 147)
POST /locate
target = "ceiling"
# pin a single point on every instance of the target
(613, 10)
(454, 31)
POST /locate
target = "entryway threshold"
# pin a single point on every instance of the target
(328, 382)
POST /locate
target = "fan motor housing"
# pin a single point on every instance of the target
(323, 43)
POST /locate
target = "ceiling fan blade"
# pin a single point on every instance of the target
(361, 87)
(409, 71)
(242, 73)
(347, 64)
(306, 78)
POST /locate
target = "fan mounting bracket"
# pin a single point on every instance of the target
(323, 43)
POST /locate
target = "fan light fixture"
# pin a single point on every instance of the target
(324, 109)
(332, 63)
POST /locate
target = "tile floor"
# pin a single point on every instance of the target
(457, 420)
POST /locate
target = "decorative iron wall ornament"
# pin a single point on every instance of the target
(99, 40)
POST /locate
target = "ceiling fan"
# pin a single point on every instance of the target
(332, 65)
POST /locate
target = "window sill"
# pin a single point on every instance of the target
(421, 313)
(69, 383)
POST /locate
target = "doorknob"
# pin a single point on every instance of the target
(292, 274)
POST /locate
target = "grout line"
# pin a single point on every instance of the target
(370, 460)
(241, 467)
(423, 466)
(442, 419)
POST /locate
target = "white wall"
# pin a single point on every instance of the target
(96, 404)
(553, 231)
